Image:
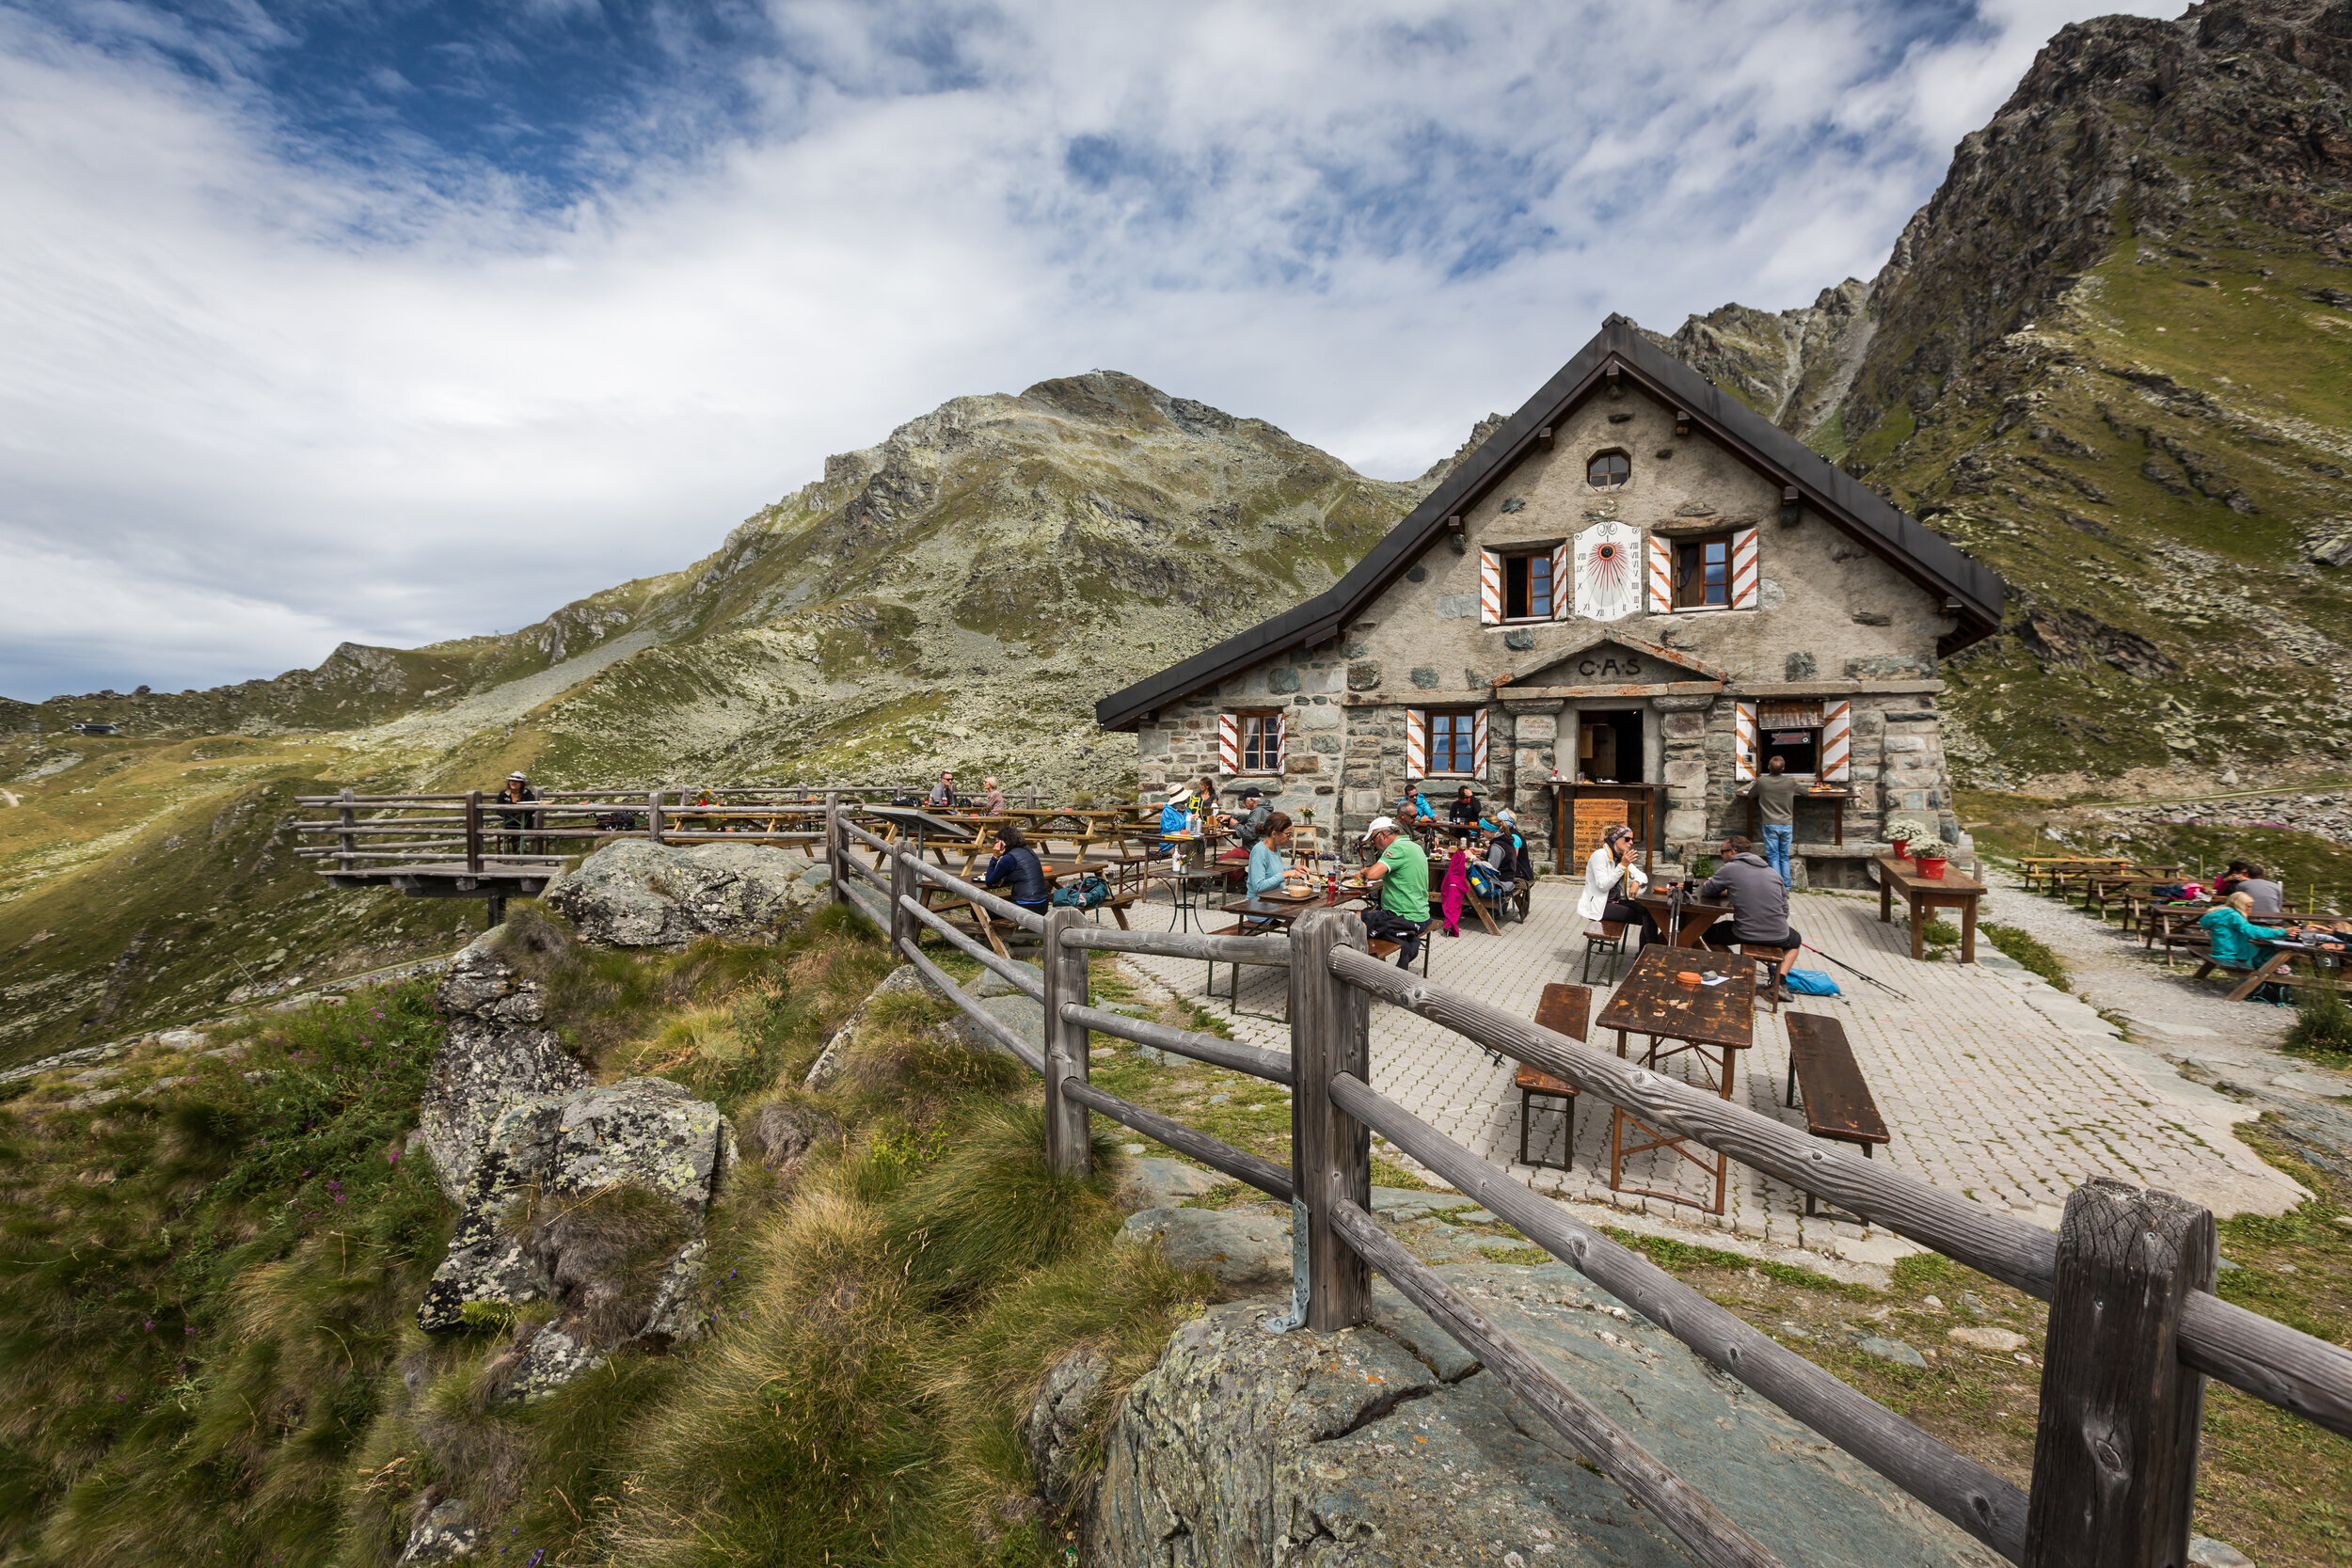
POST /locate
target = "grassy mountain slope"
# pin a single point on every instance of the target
(2113, 358)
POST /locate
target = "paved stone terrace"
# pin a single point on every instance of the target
(1991, 1081)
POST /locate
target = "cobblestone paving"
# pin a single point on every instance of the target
(1991, 1081)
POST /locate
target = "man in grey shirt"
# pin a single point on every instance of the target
(1777, 793)
(1759, 904)
(2268, 896)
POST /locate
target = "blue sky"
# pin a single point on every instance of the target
(406, 320)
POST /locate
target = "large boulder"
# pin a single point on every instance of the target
(498, 1053)
(593, 1200)
(1386, 1445)
(634, 893)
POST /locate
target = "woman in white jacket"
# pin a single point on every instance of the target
(1612, 881)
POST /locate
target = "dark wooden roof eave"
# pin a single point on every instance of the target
(1974, 592)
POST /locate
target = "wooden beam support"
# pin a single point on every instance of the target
(1330, 1150)
(1068, 1136)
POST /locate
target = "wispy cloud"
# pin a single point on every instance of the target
(403, 323)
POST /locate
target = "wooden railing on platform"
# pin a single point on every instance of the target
(2135, 1327)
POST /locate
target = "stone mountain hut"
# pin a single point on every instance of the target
(1616, 609)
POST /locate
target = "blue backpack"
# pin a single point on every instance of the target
(1088, 892)
(1812, 982)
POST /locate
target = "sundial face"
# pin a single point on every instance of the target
(1606, 580)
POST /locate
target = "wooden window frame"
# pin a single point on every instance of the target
(1468, 716)
(1529, 554)
(1609, 451)
(1728, 539)
(1270, 730)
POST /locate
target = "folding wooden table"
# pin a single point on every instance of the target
(1708, 1024)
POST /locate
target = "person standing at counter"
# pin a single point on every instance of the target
(1775, 796)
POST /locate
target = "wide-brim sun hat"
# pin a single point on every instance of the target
(1177, 791)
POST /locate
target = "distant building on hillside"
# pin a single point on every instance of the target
(94, 729)
(1616, 608)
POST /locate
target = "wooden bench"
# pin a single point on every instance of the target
(1564, 1009)
(1838, 1103)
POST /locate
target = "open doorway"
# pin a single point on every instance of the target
(1608, 745)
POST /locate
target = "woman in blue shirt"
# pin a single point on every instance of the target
(2231, 934)
(1265, 861)
(1174, 817)
(1015, 868)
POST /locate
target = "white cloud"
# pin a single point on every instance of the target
(256, 402)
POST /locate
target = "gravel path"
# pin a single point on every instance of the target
(2181, 1019)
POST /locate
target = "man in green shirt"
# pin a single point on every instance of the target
(1402, 875)
(1776, 798)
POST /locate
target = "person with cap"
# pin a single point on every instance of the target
(1402, 875)
(1502, 857)
(517, 788)
(1255, 813)
(1612, 883)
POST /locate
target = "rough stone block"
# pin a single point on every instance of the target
(1363, 676)
(1682, 726)
(1903, 743)
(1519, 638)
(1800, 667)
(1538, 726)
(1424, 677)
(1315, 718)
(1152, 743)
(1282, 679)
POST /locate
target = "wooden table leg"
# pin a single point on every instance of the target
(2255, 979)
(1616, 1133)
(1886, 897)
(1837, 821)
(1968, 930)
(1917, 932)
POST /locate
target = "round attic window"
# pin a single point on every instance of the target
(1607, 470)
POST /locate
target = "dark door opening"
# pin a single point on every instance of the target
(1609, 747)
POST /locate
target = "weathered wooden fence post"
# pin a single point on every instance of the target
(349, 843)
(1068, 1148)
(902, 885)
(835, 848)
(473, 833)
(2115, 1453)
(653, 814)
(1330, 1150)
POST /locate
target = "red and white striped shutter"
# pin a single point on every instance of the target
(1281, 739)
(1837, 741)
(1743, 743)
(1744, 579)
(1478, 744)
(1415, 742)
(1489, 589)
(1662, 577)
(1562, 591)
(1229, 743)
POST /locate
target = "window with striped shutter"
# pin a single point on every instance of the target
(1745, 581)
(1837, 742)
(1489, 589)
(1562, 599)
(1662, 577)
(1415, 742)
(1250, 741)
(1743, 743)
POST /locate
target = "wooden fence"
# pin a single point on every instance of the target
(2133, 1330)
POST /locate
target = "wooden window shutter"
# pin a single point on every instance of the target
(1745, 581)
(1478, 744)
(1229, 743)
(1415, 742)
(1662, 577)
(1489, 589)
(1562, 591)
(1281, 738)
(1743, 743)
(1837, 742)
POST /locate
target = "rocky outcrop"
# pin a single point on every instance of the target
(904, 981)
(634, 893)
(1386, 1445)
(593, 1200)
(499, 1053)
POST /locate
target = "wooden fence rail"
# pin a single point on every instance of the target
(2116, 1449)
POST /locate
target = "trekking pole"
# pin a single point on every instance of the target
(1850, 970)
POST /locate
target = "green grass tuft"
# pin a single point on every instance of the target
(2028, 950)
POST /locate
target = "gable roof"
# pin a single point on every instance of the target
(1970, 590)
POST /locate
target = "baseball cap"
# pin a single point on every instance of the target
(1381, 825)
(1251, 792)
(517, 778)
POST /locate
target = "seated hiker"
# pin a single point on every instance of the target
(1501, 859)
(1612, 881)
(1015, 868)
(1759, 904)
(1266, 869)
(2226, 882)
(1402, 873)
(1415, 808)
(2235, 940)
(942, 794)
(993, 799)
(2268, 896)
(1464, 808)
(1176, 817)
(1255, 813)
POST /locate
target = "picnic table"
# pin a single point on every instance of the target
(2273, 970)
(2044, 867)
(1924, 894)
(2099, 888)
(1690, 927)
(1709, 1025)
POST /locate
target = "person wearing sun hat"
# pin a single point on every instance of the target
(517, 788)
(1175, 818)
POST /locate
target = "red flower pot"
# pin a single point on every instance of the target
(1931, 866)
(1902, 848)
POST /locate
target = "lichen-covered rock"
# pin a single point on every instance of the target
(1055, 1428)
(634, 893)
(441, 1536)
(1150, 1182)
(498, 1053)
(1243, 1250)
(619, 1176)
(1247, 1448)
